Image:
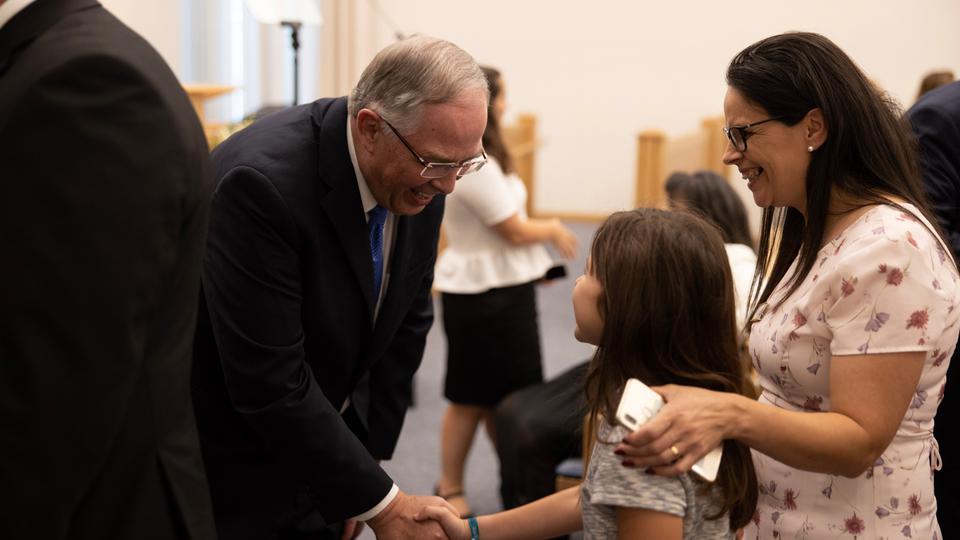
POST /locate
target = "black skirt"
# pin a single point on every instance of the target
(493, 344)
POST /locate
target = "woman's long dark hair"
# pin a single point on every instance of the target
(668, 317)
(493, 143)
(710, 195)
(868, 154)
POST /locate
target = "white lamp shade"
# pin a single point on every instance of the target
(277, 11)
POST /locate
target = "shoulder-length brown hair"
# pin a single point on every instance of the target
(493, 143)
(668, 317)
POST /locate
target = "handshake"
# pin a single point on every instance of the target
(414, 517)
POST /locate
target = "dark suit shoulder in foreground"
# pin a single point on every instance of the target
(103, 219)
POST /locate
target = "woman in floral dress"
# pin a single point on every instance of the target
(854, 315)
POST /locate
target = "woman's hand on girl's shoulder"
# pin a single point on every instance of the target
(692, 422)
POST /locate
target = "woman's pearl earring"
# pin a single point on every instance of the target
(809, 149)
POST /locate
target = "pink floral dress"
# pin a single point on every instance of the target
(884, 285)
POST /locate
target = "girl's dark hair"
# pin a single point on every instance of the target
(668, 317)
(868, 154)
(710, 195)
(493, 143)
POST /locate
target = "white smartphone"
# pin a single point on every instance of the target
(639, 404)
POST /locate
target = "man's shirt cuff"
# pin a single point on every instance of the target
(371, 513)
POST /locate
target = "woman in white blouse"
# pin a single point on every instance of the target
(494, 256)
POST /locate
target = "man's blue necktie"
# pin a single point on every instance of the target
(377, 218)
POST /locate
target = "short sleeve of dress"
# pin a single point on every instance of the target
(609, 483)
(886, 289)
(487, 193)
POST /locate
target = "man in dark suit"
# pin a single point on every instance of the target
(103, 212)
(936, 122)
(323, 237)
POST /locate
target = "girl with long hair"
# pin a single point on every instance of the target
(656, 289)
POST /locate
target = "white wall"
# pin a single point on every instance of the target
(219, 42)
(159, 22)
(596, 73)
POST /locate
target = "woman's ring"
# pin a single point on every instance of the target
(676, 453)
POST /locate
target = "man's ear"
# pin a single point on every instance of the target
(816, 128)
(368, 128)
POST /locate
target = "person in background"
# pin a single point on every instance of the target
(106, 192)
(487, 275)
(317, 294)
(709, 195)
(934, 80)
(653, 329)
(857, 317)
(672, 188)
(936, 123)
(538, 428)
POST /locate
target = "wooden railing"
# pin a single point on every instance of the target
(522, 143)
(658, 156)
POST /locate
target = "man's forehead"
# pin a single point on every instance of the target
(450, 132)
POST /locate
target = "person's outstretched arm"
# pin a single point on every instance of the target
(551, 516)
(519, 231)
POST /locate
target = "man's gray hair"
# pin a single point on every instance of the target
(414, 72)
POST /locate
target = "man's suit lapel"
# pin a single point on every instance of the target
(32, 21)
(341, 202)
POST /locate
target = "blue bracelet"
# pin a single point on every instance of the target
(474, 528)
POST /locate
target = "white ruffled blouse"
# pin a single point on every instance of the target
(477, 258)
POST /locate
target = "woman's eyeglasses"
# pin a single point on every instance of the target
(738, 135)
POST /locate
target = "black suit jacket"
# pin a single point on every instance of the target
(105, 195)
(290, 335)
(936, 122)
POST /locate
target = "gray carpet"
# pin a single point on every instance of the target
(416, 463)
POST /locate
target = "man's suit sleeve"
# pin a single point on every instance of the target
(939, 138)
(252, 284)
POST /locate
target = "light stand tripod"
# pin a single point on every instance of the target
(295, 43)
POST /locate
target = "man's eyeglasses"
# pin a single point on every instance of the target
(433, 170)
(738, 135)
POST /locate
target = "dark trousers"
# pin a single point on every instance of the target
(537, 428)
(947, 480)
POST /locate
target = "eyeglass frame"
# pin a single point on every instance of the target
(480, 160)
(744, 135)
